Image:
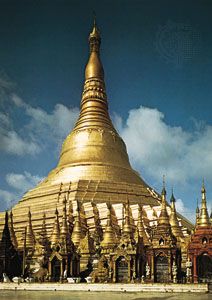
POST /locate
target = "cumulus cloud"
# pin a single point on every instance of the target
(22, 182)
(43, 129)
(159, 149)
(47, 127)
(13, 143)
(19, 184)
(7, 199)
(188, 212)
(4, 120)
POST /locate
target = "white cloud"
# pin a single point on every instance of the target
(46, 127)
(4, 120)
(43, 129)
(13, 143)
(22, 182)
(159, 149)
(185, 211)
(56, 125)
(19, 184)
(18, 101)
(7, 199)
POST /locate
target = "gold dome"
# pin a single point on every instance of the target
(94, 150)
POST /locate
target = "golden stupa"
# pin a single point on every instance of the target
(93, 170)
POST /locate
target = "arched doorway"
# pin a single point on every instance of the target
(161, 268)
(204, 267)
(56, 267)
(121, 269)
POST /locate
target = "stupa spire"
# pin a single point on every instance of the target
(163, 218)
(175, 227)
(55, 237)
(197, 213)
(64, 227)
(12, 231)
(204, 218)
(109, 237)
(140, 227)
(30, 238)
(77, 230)
(94, 106)
(127, 229)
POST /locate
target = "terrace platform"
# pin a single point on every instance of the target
(108, 287)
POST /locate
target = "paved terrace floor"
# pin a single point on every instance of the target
(109, 287)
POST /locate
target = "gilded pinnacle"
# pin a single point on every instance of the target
(109, 237)
(163, 218)
(175, 227)
(203, 218)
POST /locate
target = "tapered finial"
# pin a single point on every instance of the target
(172, 197)
(94, 18)
(163, 193)
(203, 186)
(197, 209)
(204, 218)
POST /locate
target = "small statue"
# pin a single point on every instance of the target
(147, 270)
(174, 272)
(6, 278)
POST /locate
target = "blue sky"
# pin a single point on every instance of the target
(158, 64)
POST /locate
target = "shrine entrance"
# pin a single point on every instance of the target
(121, 269)
(161, 269)
(56, 267)
(204, 268)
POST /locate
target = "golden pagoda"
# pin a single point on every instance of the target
(95, 178)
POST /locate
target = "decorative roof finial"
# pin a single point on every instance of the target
(163, 218)
(203, 186)
(197, 209)
(55, 236)
(204, 218)
(163, 193)
(172, 197)
(109, 237)
(94, 18)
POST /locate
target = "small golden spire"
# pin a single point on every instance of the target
(77, 230)
(30, 238)
(163, 218)
(140, 227)
(204, 218)
(163, 193)
(12, 231)
(64, 227)
(175, 227)
(71, 217)
(55, 237)
(197, 213)
(109, 237)
(97, 221)
(127, 229)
